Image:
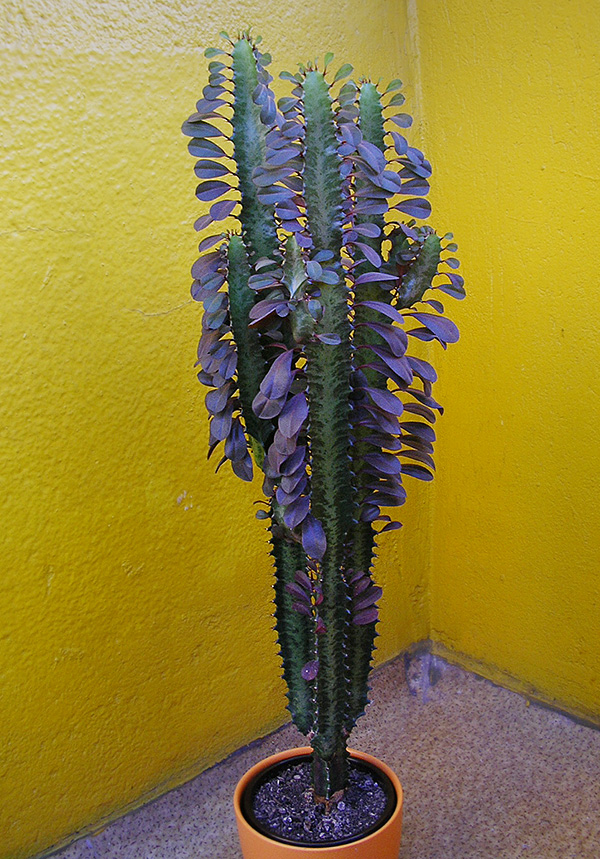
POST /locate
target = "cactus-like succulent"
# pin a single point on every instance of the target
(309, 310)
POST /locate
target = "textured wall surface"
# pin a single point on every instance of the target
(135, 642)
(135, 631)
(510, 105)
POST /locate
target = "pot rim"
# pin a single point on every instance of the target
(254, 771)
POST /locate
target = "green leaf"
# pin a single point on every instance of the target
(328, 59)
(343, 72)
(393, 85)
(288, 76)
(398, 99)
(224, 35)
(209, 53)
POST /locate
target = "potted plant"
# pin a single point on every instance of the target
(309, 309)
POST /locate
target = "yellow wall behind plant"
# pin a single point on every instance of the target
(510, 106)
(135, 642)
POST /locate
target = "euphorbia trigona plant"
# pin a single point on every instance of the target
(309, 310)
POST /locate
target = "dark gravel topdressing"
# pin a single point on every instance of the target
(284, 808)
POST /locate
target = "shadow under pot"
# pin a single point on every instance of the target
(278, 819)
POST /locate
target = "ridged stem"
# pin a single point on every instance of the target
(328, 373)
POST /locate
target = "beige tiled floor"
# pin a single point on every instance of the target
(485, 777)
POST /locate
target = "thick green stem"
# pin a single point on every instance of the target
(328, 374)
(295, 631)
(251, 365)
(362, 638)
(258, 219)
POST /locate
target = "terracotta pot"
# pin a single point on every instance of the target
(384, 843)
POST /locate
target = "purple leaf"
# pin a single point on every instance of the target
(302, 608)
(214, 301)
(282, 156)
(293, 415)
(261, 311)
(391, 526)
(285, 445)
(400, 143)
(279, 377)
(381, 421)
(329, 339)
(417, 471)
(374, 276)
(268, 112)
(212, 189)
(402, 120)
(419, 429)
(213, 92)
(221, 210)
(199, 129)
(384, 308)
(416, 186)
(264, 178)
(368, 597)
(400, 368)
(206, 263)
(420, 456)
(422, 411)
(216, 400)
(351, 134)
(375, 207)
(422, 369)
(366, 616)
(209, 242)
(294, 462)
(452, 290)
(372, 231)
(423, 334)
(296, 512)
(275, 194)
(370, 254)
(314, 541)
(369, 513)
(265, 408)
(290, 483)
(384, 463)
(416, 207)
(328, 275)
(236, 446)
(452, 262)
(220, 425)
(372, 155)
(444, 329)
(243, 468)
(210, 169)
(396, 338)
(298, 592)
(202, 222)
(385, 400)
(205, 107)
(201, 148)
(314, 269)
(286, 498)
(303, 580)
(433, 302)
(310, 670)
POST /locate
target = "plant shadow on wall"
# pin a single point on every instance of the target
(310, 307)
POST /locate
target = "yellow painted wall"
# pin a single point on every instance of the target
(135, 642)
(510, 105)
(134, 592)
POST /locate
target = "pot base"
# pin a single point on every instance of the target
(382, 843)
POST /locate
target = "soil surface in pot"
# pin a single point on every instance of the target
(284, 806)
